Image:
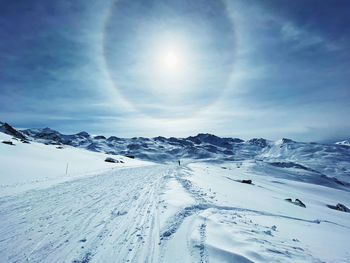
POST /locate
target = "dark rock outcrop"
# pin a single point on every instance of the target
(8, 129)
(111, 160)
(247, 181)
(339, 207)
(8, 142)
(296, 202)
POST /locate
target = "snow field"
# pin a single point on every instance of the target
(139, 211)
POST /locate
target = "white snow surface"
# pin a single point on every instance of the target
(26, 166)
(199, 211)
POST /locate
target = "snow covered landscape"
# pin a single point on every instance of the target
(88, 198)
(174, 131)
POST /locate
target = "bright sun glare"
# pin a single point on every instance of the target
(171, 60)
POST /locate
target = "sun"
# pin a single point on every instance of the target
(171, 60)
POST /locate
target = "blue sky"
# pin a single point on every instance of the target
(242, 68)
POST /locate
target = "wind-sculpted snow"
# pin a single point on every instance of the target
(328, 159)
(259, 225)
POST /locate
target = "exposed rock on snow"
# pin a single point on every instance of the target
(299, 202)
(296, 202)
(100, 137)
(247, 181)
(111, 160)
(259, 142)
(286, 140)
(339, 207)
(8, 142)
(345, 143)
(6, 128)
(290, 165)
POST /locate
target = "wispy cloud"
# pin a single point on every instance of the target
(303, 38)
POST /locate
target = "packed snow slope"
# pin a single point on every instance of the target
(24, 165)
(292, 207)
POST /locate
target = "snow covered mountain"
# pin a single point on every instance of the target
(79, 198)
(345, 142)
(332, 159)
(330, 162)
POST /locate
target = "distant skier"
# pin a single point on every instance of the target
(179, 162)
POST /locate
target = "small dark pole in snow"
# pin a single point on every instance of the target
(179, 162)
(67, 169)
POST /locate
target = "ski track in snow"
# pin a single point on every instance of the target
(115, 217)
(112, 217)
(203, 252)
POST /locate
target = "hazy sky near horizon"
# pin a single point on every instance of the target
(242, 68)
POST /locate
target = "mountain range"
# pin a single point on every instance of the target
(332, 159)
